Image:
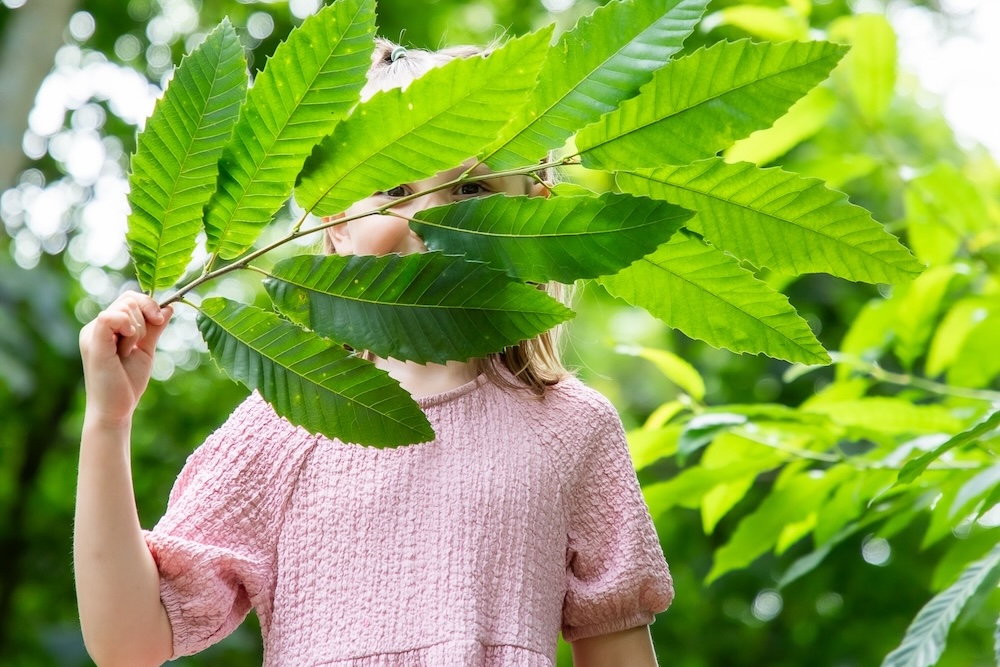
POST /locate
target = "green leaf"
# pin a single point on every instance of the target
(560, 238)
(976, 489)
(310, 82)
(916, 310)
(927, 635)
(176, 160)
(916, 467)
(309, 380)
(605, 59)
(703, 429)
(977, 363)
(804, 119)
(771, 23)
(759, 532)
(649, 445)
(779, 220)
(442, 118)
(673, 367)
(869, 336)
(701, 103)
(717, 502)
(424, 307)
(943, 209)
(894, 416)
(870, 67)
(706, 294)
(949, 338)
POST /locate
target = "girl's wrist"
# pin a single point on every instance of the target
(95, 422)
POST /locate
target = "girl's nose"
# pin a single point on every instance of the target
(429, 200)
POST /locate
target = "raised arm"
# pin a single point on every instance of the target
(117, 582)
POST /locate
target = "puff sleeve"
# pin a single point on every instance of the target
(215, 545)
(617, 577)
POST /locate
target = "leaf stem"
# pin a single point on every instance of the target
(880, 374)
(297, 231)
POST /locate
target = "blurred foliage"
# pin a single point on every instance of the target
(790, 540)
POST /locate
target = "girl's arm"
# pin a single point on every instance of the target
(117, 582)
(628, 648)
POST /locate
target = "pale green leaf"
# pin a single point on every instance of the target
(701, 103)
(703, 429)
(917, 306)
(870, 67)
(441, 119)
(604, 60)
(706, 294)
(804, 119)
(916, 467)
(425, 307)
(870, 334)
(977, 361)
(673, 367)
(976, 489)
(649, 445)
(717, 502)
(309, 380)
(950, 335)
(664, 413)
(943, 210)
(758, 533)
(176, 160)
(310, 82)
(838, 168)
(779, 220)
(927, 635)
(894, 416)
(774, 24)
(559, 238)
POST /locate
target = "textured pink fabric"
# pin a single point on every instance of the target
(522, 518)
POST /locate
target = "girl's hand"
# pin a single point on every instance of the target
(117, 350)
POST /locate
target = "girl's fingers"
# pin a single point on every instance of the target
(148, 342)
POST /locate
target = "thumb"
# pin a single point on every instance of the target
(153, 331)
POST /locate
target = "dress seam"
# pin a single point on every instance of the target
(432, 645)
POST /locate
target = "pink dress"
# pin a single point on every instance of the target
(523, 518)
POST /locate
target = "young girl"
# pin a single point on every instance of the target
(523, 518)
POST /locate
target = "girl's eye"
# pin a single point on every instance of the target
(398, 191)
(472, 189)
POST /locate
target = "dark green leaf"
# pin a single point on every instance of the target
(423, 307)
(560, 239)
(310, 380)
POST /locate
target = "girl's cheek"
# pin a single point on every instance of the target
(381, 235)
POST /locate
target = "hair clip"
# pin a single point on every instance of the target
(397, 53)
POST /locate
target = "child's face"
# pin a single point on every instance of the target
(384, 234)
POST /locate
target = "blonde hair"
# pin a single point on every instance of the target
(535, 363)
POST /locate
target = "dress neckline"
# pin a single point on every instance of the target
(451, 394)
